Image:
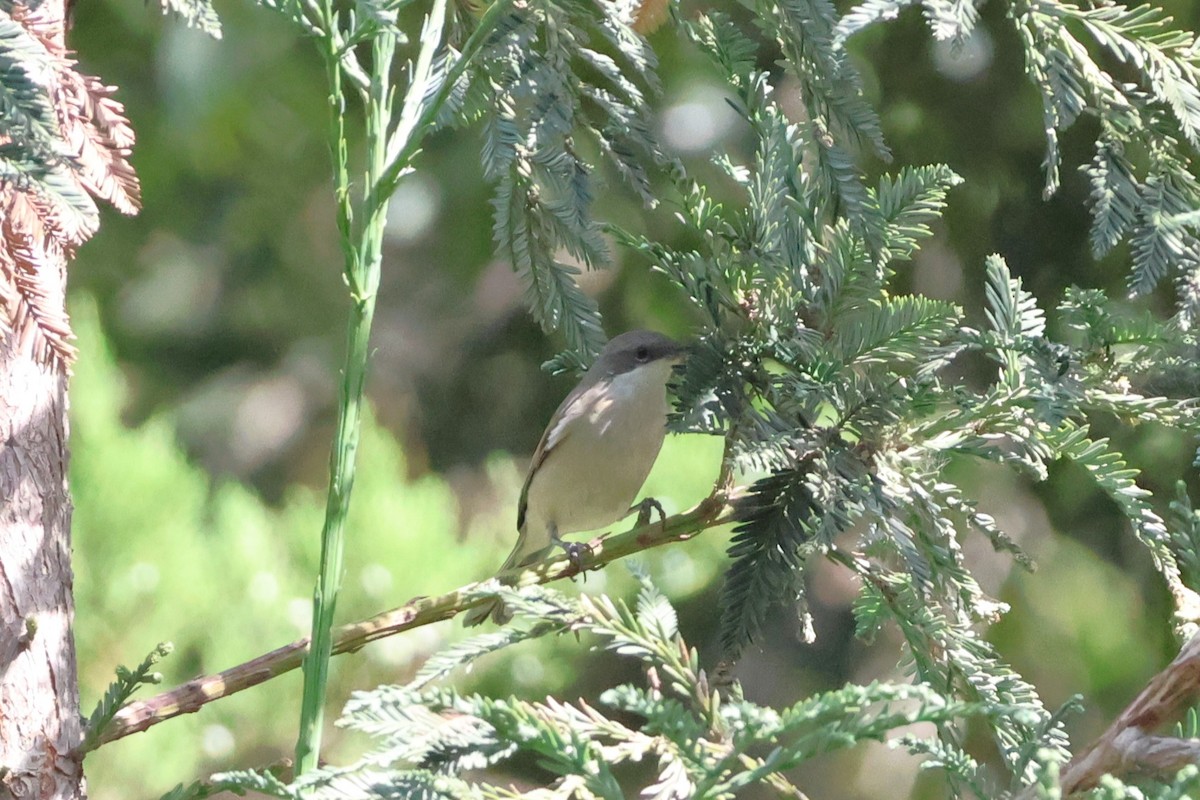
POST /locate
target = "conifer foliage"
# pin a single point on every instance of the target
(64, 143)
(822, 378)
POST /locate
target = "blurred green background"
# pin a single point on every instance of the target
(211, 334)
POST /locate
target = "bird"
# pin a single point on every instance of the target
(595, 453)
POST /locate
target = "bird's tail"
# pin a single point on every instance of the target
(524, 553)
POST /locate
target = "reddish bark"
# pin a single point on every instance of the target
(40, 727)
(39, 697)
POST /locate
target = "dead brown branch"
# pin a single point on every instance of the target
(1131, 745)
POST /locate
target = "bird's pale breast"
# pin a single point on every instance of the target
(593, 474)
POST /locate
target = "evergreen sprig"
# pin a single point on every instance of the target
(26, 112)
(1143, 186)
(1151, 123)
(264, 783)
(775, 535)
(118, 693)
(706, 741)
(198, 14)
(841, 123)
(816, 372)
(552, 73)
(1185, 537)
(34, 155)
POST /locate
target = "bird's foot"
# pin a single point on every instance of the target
(576, 551)
(645, 510)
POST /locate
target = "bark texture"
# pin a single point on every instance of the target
(39, 697)
(77, 150)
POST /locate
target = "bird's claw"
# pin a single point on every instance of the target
(576, 551)
(646, 508)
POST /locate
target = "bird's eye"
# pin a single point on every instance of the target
(643, 353)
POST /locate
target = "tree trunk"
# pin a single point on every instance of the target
(40, 225)
(39, 695)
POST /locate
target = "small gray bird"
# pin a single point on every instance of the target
(596, 452)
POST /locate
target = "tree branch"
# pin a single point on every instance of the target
(193, 695)
(1129, 745)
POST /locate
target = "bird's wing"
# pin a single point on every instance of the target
(551, 438)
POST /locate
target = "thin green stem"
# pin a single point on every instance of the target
(363, 251)
(389, 154)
